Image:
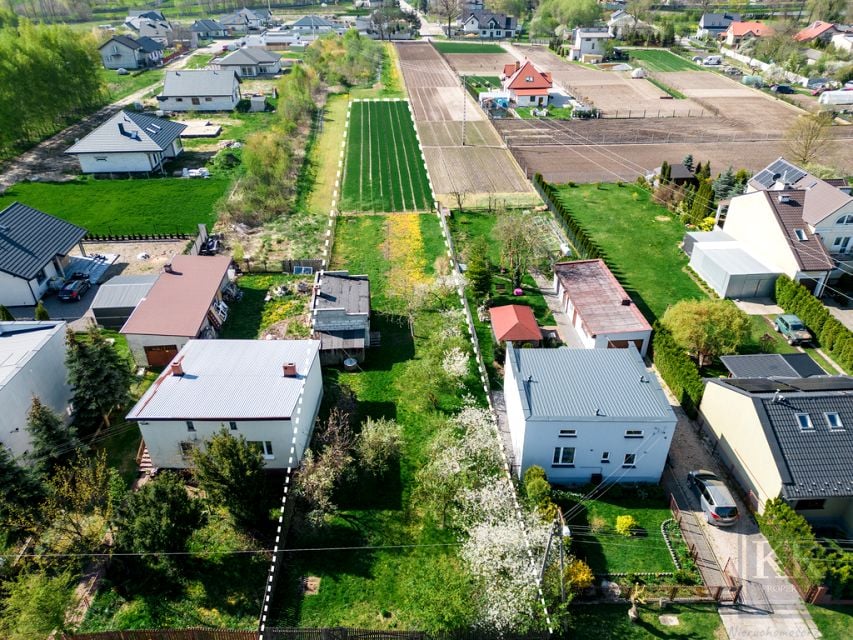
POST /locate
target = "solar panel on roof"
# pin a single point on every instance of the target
(759, 385)
(823, 383)
(781, 171)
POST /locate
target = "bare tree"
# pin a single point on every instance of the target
(448, 9)
(460, 197)
(809, 137)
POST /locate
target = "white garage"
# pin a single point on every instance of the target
(731, 271)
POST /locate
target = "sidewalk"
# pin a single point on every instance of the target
(565, 329)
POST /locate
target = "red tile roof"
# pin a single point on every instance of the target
(758, 29)
(178, 302)
(813, 31)
(514, 322)
(538, 82)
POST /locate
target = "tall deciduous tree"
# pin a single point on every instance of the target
(707, 328)
(160, 517)
(516, 233)
(99, 376)
(35, 605)
(479, 268)
(808, 137)
(52, 441)
(231, 471)
(449, 10)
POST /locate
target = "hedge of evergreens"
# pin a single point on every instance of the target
(678, 369)
(834, 337)
(585, 247)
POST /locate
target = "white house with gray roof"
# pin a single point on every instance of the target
(124, 52)
(32, 363)
(129, 142)
(200, 90)
(586, 415)
(267, 391)
(789, 438)
(34, 248)
(248, 62)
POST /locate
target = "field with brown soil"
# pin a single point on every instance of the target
(479, 64)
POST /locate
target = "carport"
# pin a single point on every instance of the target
(731, 271)
(117, 298)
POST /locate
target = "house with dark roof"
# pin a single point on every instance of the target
(315, 25)
(245, 20)
(160, 31)
(586, 415)
(772, 365)
(490, 25)
(598, 307)
(248, 62)
(515, 323)
(789, 438)
(712, 25)
(267, 391)
(200, 90)
(526, 85)
(124, 52)
(207, 29)
(340, 315)
(129, 142)
(34, 248)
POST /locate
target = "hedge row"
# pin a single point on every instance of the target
(833, 336)
(585, 247)
(678, 369)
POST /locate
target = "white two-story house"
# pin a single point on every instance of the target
(586, 415)
(587, 43)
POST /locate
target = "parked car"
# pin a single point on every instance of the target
(712, 61)
(716, 500)
(782, 88)
(792, 328)
(732, 71)
(74, 290)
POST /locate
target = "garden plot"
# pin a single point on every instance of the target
(449, 134)
(384, 170)
(480, 64)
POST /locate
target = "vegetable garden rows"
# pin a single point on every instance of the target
(384, 170)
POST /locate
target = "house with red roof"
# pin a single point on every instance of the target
(740, 31)
(527, 86)
(818, 30)
(515, 323)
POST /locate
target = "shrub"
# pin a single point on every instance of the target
(678, 370)
(538, 490)
(533, 473)
(578, 575)
(597, 524)
(243, 106)
(625, 525)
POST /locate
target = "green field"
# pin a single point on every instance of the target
(119, 87)
(112, 207)
(384, 171)
(467, 47)
(662, 60)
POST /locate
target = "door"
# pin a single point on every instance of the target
(160, 355)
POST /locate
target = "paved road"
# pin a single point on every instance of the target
(427, 28)
(47, 161)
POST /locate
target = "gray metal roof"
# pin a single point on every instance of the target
(19, 342)
(141, 133)
(593, 384)
(733, 258)
(123, 292)
(30, 238)
(314, 22)
(201, 82)
(230, 379)
(339, 290)
(250, 56)
(772, 365)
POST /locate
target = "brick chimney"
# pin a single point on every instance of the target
(289, 369)
(177, 367)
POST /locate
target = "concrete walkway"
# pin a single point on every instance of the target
(565, 329)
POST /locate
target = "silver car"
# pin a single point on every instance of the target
(715, 498)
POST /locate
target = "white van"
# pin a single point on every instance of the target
(712, 61)
(836, 98)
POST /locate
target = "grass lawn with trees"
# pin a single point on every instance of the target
(123, 207)
(640, 240)
(662, 60)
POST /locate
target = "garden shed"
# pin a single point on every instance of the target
(117, 298)
(731, 271)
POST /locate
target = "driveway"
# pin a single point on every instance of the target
(770, 606)
(568, 334)
(76, 314)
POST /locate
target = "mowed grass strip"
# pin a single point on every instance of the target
(384, 170)
(467, 47)
(662, 60)
(124, 207)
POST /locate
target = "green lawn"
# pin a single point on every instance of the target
(554, 113)
(467, 47)
(119, 87)
(402, 588)
(199, 61)
(249, 317)
(640, 240)
(610, 622)
(662, 60)
(384, 170)
(835, 622)
(609, 552)
(157, 205)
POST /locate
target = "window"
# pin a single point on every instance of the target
(187, 449)
(633, 433)
(190, 425)
(41, 276)
(195, 101)
(179, 99)
(208, 99)
(840, 244)
(801, 234)
(630, 459)
(100, 158)
(568, 433)
(834, 421)
(233, 425)
(848, 219)
(813, 504)
(564, 456)
(528, 79)
(805, 421)
(605, 457)
(264, 446)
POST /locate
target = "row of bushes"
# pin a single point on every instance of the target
(833, 336)
(803, 556)
(678, 369)
(585, 247)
